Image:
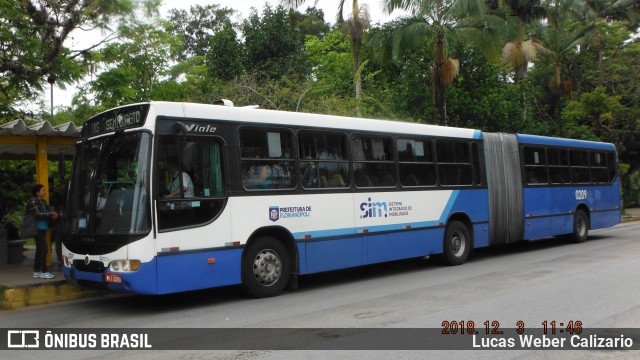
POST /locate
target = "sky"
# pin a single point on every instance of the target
(243, 7)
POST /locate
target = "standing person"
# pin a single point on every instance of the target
(56, 201)
(38, 207)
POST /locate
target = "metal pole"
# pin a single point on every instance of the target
(51, 80)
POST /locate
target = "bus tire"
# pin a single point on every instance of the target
(457, 243)
(580, 226)
(265, 267)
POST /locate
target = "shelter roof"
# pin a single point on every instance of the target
(18, 140)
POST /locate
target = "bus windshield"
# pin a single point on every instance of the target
(110, 186)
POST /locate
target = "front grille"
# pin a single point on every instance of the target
(93, 266)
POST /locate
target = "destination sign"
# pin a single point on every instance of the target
(114, 120)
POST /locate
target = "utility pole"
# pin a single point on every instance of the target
(51, 79)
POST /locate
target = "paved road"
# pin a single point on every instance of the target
(595, 282)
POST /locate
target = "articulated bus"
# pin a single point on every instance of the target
(171, 197)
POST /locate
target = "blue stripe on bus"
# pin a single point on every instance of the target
(449, 206)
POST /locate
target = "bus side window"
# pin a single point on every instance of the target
(599, 171)
(201, 159)
(416, 163)
(373, 164)
(612, 166)
(454, 163)
(535, 165)
(324, 162)
(558, 160)
(580, 167)
(267, 159)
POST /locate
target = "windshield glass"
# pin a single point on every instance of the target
(109, 190)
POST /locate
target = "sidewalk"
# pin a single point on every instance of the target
(631, 214)
(18, 288)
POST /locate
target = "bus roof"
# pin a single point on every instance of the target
(552, 141)
(251, 115)
(287, 118)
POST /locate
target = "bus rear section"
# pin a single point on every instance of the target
(541, 187)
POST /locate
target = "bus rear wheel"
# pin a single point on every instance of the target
(457, 243)
(580, 226)
(266, 267)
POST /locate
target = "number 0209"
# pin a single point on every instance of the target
(581, 194)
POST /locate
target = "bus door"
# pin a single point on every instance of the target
(189, 197)
(536, 192)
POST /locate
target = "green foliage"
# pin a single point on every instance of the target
(134, 66)
(16, 179)
(331, 64)
(273, 44)
(226, 56)
(33, 35)
(632, 198)
(196, 28)
(595, 115)
(311, 23)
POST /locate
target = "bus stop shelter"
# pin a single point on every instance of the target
(40, 142)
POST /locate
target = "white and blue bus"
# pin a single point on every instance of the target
(170, 197)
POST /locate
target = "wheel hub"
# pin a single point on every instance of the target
(457, 244)
(267, 267)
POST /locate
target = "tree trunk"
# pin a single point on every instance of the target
(438, 89)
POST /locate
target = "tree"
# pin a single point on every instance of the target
(134, 66)
(355, 27)
(520, 49)
(609, 103)
(273, 45)
(33, 34)
(196, 28)
(599, 116)
(443, 19)
(311, 23)
(226, 55)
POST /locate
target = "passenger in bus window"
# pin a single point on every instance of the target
(174, 186)
(259, 179)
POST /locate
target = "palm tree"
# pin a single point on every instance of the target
(355, 26)
(443, 19)
(521, 49)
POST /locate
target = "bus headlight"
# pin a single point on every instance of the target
(124, 265)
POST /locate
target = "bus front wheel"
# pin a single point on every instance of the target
(266, 267)
(457, 243)
(580, 226)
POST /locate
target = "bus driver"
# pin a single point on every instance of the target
(174, 186)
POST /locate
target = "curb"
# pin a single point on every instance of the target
(27, 295)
